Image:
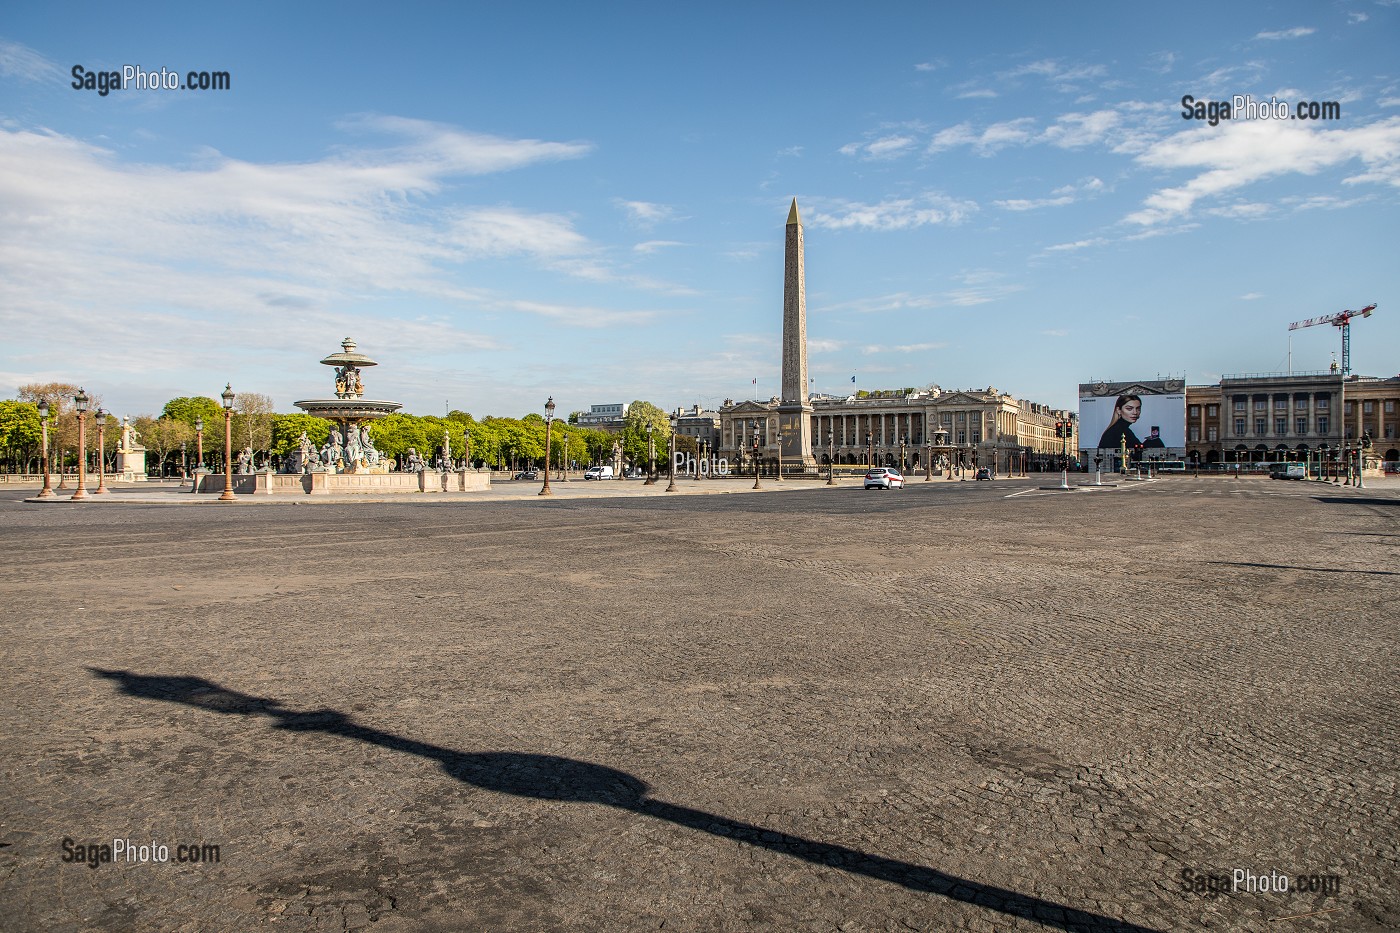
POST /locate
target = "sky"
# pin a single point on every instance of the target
(502, 203)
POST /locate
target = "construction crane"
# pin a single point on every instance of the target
(1342, 320)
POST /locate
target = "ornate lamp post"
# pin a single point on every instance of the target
(651, 455)
(80, 401)
(548, 423)
(756, 484)
(830, 459)
(869, 450)
(675, 417)
(903, 449)
(199, 443)
(928, 455)
(227, 396)
(779, 458)
(47, 491)
(101, 419)
(183, 472)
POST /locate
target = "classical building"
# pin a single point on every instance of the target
(701, 424)
(1291, 416)
(606, 417)
(983, 426)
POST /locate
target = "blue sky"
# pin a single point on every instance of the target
(502, 202)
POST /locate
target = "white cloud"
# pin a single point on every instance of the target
(872, 349)
(1073, 130)
(1054, 333)
(645, 213)
(1025, 205)
(978, 94)
(931, 65)
(20, 61)
(886, 147)
(1076, 245)
(1242, 153)
(1242, 211)
(824, 346)
(1251, 296)
(995, 137)
(891, 214)
(1297, 32)
(651, 246)
(1354, 18)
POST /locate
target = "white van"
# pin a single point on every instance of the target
(598, 472)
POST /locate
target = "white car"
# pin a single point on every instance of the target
(598, 472)
(884, 478)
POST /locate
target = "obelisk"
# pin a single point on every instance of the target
(794, 408)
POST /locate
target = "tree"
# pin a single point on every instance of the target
(63, 416)
(252, 421)
(640, 416)
(286, 432)
(189, 409)
(164, 435)
(19, 430)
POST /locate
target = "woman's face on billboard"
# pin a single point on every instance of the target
(1131, 410)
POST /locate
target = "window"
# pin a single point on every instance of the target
(1195, 432)
(1390, 406)
(1389, 431)
(1260, 404)
(1302, 403)
(1239, 427)
(1211, 435)
(1239, 404)
(1368, 407)
(962, 437)
(1280, 425)
(1281, 403)
(1322, 422)
(976, 436)
(1260, 424)
(1302, 424)
(1195, 411)
(1212, 411)
(1322, 401)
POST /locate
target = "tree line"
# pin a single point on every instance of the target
(171, 440)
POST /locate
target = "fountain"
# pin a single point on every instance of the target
(349, 448)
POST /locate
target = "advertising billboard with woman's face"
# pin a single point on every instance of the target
(1135, 415)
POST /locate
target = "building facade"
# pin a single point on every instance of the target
(1268, 417)
(981, 427)
(609, 417)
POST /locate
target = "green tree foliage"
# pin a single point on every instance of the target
(19, 432)
(286, 432)
(640, 416)
(188, 409)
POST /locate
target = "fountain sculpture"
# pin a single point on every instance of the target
(349, 449)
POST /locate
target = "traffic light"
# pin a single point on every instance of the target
(1059, 429)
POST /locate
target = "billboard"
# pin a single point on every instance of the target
(1152, 414)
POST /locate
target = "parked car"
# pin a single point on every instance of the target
(598, 472)
(984, 473)
(526, 474)
(884, 478)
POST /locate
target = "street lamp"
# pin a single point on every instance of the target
(756, 484)
(869, 450)
(903, 447)
(80, 401)
(780, 454)
(47, 492)
(227, 396)
(928, 453)
(671, 485)
(548, 423)
(651, 455)
(183, 472)
(199, 441)
(101, 419)
(830, 459)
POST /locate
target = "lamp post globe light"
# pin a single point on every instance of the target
(80, 402)
(675, 417)
(756, 484)
(101, 420)
(548, 423)
(47, 492)
(651, 455)
(227, 397)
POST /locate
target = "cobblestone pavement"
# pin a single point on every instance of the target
(956, 706)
